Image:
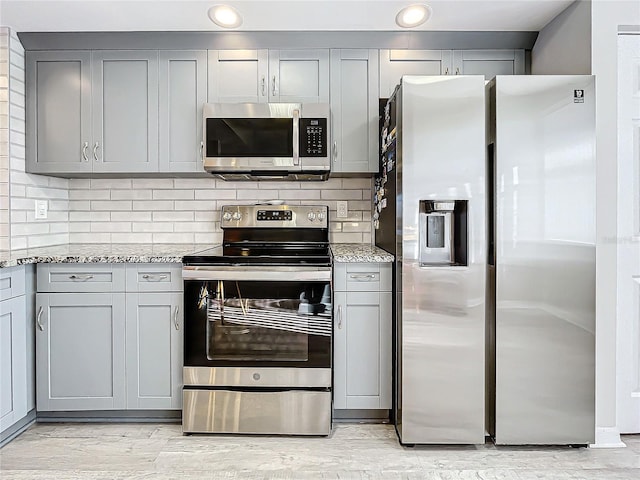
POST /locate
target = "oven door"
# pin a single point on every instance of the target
(240, 316)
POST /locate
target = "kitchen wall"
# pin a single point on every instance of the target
(24, 188)
(187, 210)
(4, 140)
(563, 46)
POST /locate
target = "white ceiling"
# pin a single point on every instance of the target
(274, 15)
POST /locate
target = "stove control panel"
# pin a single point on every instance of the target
(275, 216)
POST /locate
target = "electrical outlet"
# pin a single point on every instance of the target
(41, 207)
(343, 210)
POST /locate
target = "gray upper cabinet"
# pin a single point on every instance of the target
(238, 76)
(59, 112)
(299, 76)
(396, 63)
(125, 111)
(183, 91)
(354, 111)
(80, 351)
(92, 112)
(279, 76)
(154, 350)
(488, 62)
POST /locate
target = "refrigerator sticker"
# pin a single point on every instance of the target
(578, 96)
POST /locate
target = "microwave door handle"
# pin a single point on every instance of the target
(296, 136)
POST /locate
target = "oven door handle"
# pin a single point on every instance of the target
(274, 274)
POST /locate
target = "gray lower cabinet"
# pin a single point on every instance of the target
(154, 350)
(80, 351)
(13, 361)
(362, 336)
(183, 92)
(115, 349)
(354, 111)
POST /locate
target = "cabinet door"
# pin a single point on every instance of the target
(80, 351)
(354, 111)
(488, 62)
(396, 63)
(299, 76)
(125, 111)
(58, 112)
(154, 350)
(183, 91)
(238, 76)
(13, 361)
(362, 355)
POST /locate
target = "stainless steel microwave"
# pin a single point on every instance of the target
(267, 141)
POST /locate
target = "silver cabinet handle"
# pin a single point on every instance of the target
(38, 317)
(202, 152)
(273, 90)
(263, 85)
(457, 70)
(95, 151)
(85, 145)
(175, 318)
(335, 151)
(153, 276)
(340, 317)
(446, 71)
(81, 277)
(363, 276)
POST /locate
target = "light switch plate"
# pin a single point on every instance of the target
(41, 207)
(343, 210)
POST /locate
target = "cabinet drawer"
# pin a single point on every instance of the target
(11, 282)
(154, 277)
(361, 277)
(94, 277)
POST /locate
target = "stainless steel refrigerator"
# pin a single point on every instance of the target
(430, 213)
(542, 195)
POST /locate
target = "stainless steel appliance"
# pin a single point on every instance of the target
(258, 325)
(430, 213)
(267, 141)
(542, 259)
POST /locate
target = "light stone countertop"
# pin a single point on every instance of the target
(159, 253)
(100, 253)
(359, 253)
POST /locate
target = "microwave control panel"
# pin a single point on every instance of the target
(313, 137)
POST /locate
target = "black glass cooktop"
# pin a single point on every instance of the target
(256, 253)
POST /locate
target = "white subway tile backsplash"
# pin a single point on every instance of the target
(195, 183)
(173, 238)
(111, 183)
(111, 226)
(90, 194)
(173, 194)
(153, 227)
(131, 238)
(131, 216)
(215, 194)
(111, 205)
(173, 216)
(341, 194)
(131, 195)
(194, 205)
(153, 205)
(139, 183)
(299, 194)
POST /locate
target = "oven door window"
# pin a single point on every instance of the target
(249, 137)
(258, 323)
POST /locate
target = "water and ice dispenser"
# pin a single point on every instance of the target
(443, 232)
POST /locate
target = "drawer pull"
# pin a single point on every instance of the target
(340, 317)
(150, 276)
(363, 276)
(175, 318)
(38, 317)
(81, 277)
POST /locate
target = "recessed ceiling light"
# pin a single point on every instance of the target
(413, 15)
(225, 16)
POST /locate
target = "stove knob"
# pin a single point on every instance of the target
(226, 216)
(320, 216)
(237, 215)
(311, 216)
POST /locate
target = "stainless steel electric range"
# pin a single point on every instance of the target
(258, 325)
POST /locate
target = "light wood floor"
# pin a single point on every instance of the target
(160, 451)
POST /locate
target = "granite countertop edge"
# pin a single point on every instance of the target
(160, 253)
